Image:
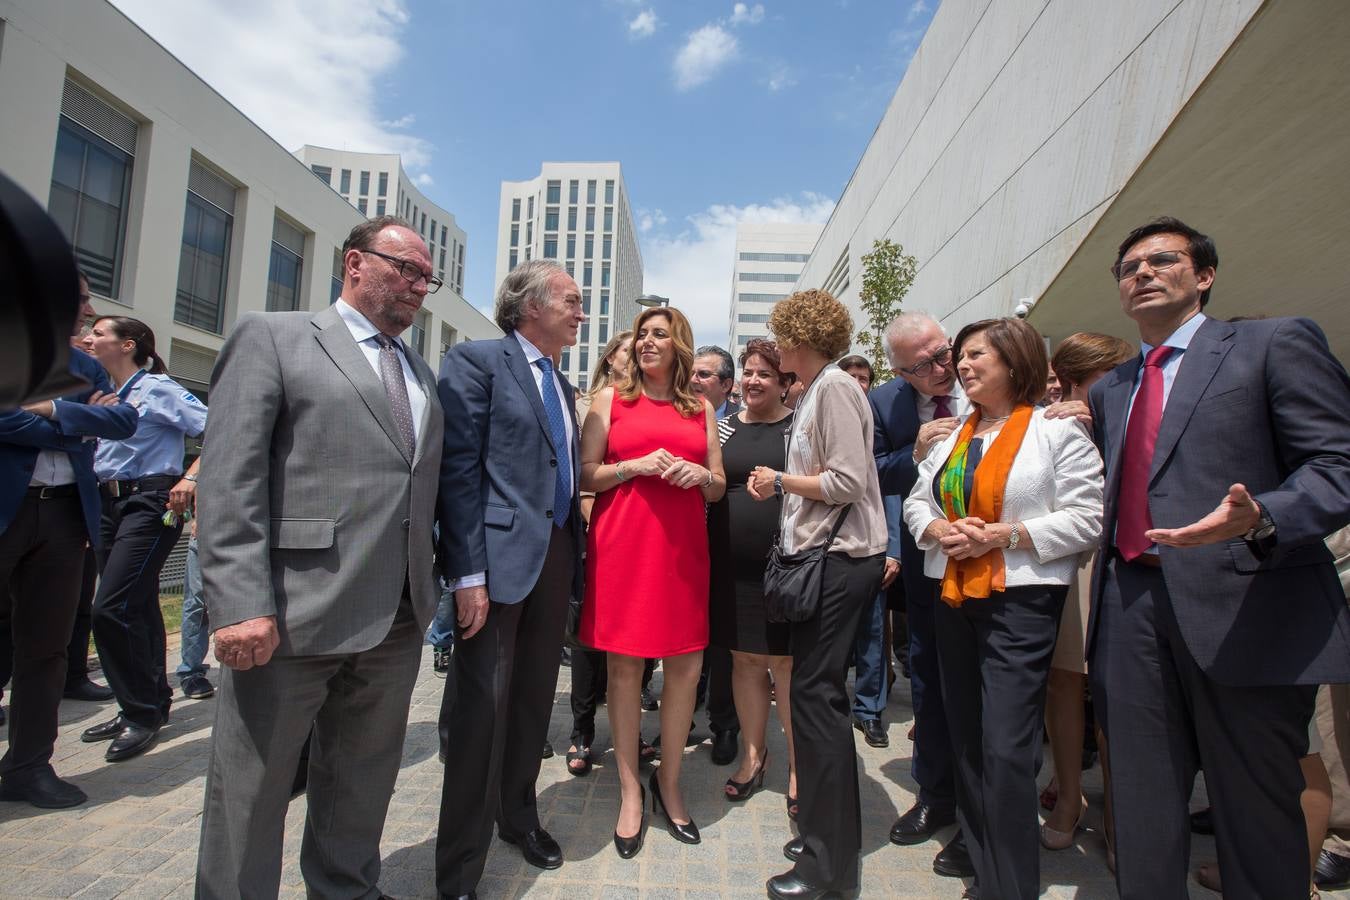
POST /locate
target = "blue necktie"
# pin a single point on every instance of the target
(562, 485)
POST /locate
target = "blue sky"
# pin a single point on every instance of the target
(718, 111)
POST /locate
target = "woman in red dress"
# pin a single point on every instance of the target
(649, 451)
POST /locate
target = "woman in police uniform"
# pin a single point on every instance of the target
(145, 498)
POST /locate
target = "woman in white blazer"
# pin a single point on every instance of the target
(1002, 508)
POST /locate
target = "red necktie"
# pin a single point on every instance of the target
(942, 408)
(1141, 435)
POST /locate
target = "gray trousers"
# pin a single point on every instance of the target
(357, 705)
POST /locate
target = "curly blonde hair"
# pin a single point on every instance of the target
(813, 319)
(682, 335)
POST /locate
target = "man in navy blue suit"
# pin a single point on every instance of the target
(510, 545)
(49, 512)
(911, 414)
(1211, 625)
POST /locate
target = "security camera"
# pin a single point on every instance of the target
(1023, 307)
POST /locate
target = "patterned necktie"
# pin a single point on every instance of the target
(943, 409)
(391, 373)
(562, 482)
(1141, 435)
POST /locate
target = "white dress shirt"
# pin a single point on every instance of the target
(927, 405)
(363, 332)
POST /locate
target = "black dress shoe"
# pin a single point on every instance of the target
(726, 745)
(87, 690)
(42, 789)
(133, 741)
(919, 824)
(686, 833)
(873, 732)
(793, 849)
(471, 895)
(649, 703)
(548, 750)
(954, 860)
(104, 731)
(1332, 872)
(1202, 821)
(538, 847)
(628, 847)
(3, 717)
(790, 886)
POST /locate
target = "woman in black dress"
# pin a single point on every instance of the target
(740, 531)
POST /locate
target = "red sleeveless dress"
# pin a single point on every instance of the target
(647, 549)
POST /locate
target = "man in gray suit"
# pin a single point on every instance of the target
(1213, 625)
(324, 454)
(511, 539)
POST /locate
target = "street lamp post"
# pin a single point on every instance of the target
(652, 301)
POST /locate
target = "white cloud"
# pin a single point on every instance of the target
(424, 180)
(693, 267)
(305, 71)
(747, 15)
(647, 219)
(643, 24)
(918, 8)
(703, 54)
(780, 78)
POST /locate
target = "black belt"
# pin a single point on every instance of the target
(53, 491)
(1151, 560)
(115, 489)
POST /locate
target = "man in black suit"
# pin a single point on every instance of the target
(1212, 626)
(912, 413)
(511, 541)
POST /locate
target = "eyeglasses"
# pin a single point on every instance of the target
(410, 271)
(1157, 262)
(940, 358)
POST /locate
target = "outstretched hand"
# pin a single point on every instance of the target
(1235, 515)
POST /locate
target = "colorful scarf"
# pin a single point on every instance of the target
(977, 577)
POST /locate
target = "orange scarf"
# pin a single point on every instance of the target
(976, 577)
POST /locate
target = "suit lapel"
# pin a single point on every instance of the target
(336, 340)
(1116, 407)
(515, 361)
(1199, 364)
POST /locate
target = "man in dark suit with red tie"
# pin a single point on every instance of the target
(1212, 626)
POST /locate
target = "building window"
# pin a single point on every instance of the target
(586, 275)
(361, 206)
(323, 173)
(417, 334)
(423, 229)
(554, 191)
(529, 234)
(746, 318)
(346, 181)
(551, 219)
(432, 237)
(585, 333)
(379, 207)
(585, 359)
(448, 336)
(604, 303)
(572, 191)
(529, 207)
(773, 257)
(384, 184)
(782, 277)
(443, 233)
(609, 191)
(285, 267)
(567, 359)
(204, 261)
(365, 184)
(582, 381)
(586, 302)
(550, 247)
(91, 184)
(604, 331)
(604, 274)
(607, 247)
(514, 260)
(515, 210)
(572, 219)
(571, 246)
(609, 218)
(571, 269)
(590, 218)
(590, 247)
(335, 280)
(590, 191)
(442, 262)
(760, 298)
(515, 235)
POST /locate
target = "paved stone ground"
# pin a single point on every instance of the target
(137, 836)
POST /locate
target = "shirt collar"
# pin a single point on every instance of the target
(360, 327)
(1181, 338)
(532, 353)
(722, 410)
(956, 392)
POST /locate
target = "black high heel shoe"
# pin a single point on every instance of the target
(739, 791)
(685, 834)
(629, 846)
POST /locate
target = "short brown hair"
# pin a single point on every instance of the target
(766, 350)
(1082, 355)
(1021, 349)
(814, 319)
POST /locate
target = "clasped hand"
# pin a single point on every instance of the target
(760, 483)
(678, 471)
(969, 538)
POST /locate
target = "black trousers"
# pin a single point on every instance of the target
(77, 653)
(721, 704)
(494, 719)
(830, 816)
(1163, 717)
(590, 677)
(41, 556)
(128, 626)
(995, 657)
(931, 766)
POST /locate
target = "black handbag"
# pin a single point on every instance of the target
(792, 581)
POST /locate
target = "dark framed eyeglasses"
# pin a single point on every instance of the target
(1157, 262)
(410, 270)
(940, 358)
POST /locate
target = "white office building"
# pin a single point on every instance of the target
(769, 258)
(579, 214)
(1029, 136)
(183, 212)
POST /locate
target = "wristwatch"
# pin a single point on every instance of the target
(1014, 537)
(192, 478)
(1262, 534)
(618, 472)
(778, 484)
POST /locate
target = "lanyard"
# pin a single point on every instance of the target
(131, 383)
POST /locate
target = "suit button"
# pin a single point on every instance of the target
(407, 523)
(549, 514)
(553, 463)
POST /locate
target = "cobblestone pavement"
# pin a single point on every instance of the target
(137, 835)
